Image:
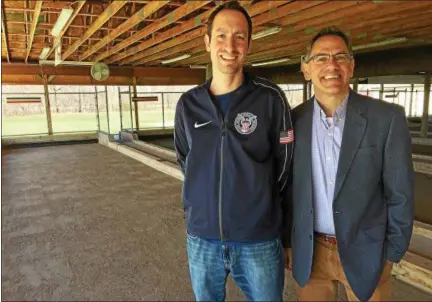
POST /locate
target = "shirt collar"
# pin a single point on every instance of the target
(340, 111)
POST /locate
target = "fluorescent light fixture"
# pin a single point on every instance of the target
(44, 53)
(72, 63)
(266, 32)
(182, 57)
(270, 62)
(197, 66)
(64, 17)
(381, 43)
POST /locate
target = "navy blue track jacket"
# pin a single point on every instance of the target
(236, 168)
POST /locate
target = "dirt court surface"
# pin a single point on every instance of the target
(83, 222)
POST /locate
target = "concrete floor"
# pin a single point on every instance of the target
(84, 222)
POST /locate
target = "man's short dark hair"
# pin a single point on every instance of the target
(327, 31)
(233, 5)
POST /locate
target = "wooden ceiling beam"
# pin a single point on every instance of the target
(357, 38)
(175, 31)
(201, 19)
(21, 73)
(299, 18)
(66, 37)
(58, 5)
(48, 26)
(37, 11)
(56, 12)
(290, 45)
(58, 39)
(296, 32)
(187, 79)
(26, 27)
(134, 29)
(190, 45)
(370, 11)
(186, 38)
(22, 52)
(393, 18)
(14, 45)
(261, 7)
(142, 14)
(297, 12)
(104, 17)
(4, 36)
(253, 10)
(245, 3)
(291, 8)
(175, 15)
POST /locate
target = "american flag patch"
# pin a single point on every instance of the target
(287, 137)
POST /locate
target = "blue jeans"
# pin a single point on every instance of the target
(258, 269)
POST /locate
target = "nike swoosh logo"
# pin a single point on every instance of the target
(201, 125)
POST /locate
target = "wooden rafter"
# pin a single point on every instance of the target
(246, 3)
(253, 10)
(163, 47)
(90, 9)
(189, 46)
(133, 10)
(146, 11)
(104, 17)
(175, 31)
(50, 25)
(66, 27)
(364, 21)
(294, 47)
(55, 12)
(46, 39)
(138, 53)
(285, 45)
(38, 8)
(290, 9)
(4, 36)
(308, 20)
(180, 12)
(295, 13)
(342, 17)
(26, 27)
(66, 37)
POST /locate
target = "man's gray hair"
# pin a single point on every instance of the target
(327, 31)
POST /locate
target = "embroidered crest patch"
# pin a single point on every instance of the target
(246, 123)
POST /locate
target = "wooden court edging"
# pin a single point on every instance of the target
(415, 270)
(149, 160)
(423, 229)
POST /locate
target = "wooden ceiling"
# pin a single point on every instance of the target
(143, 33)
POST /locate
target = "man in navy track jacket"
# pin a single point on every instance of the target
(234, 142)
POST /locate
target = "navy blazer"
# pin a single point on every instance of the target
(373, 205)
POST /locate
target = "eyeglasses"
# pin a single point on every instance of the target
(320, 59)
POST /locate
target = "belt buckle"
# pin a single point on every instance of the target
(330, 239)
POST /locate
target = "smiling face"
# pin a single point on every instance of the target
(330, 79)
(228, 45)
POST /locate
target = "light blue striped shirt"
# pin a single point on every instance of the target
(326, 143)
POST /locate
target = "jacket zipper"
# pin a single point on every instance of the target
(221, 176)
(223, 134)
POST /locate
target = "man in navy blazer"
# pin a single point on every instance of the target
(352, 185)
